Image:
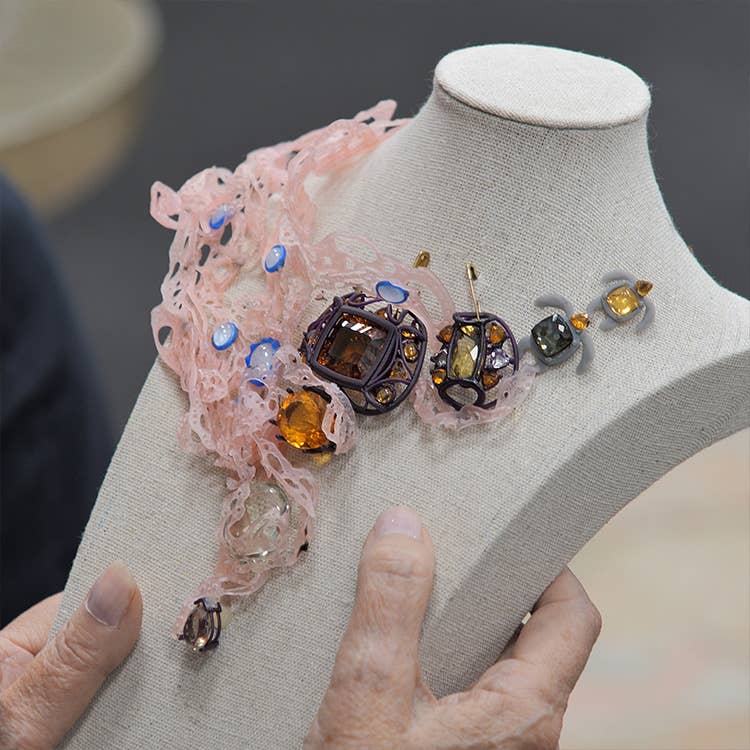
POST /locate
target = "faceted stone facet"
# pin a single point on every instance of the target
(643, 287)
(202, 624)
(465, 352)
(384, 395)
(300, 420)
(552, 335)
(496, 333)
(438, 376)
(445, 334)
(580, 321)
(490, 378)
(497, 359)
(354, 347)
(622, 301)
(411, 352)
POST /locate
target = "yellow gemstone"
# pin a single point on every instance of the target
(580, 321)
(490, 378)
(465, 352)
(643, 287)
(496, 333)
(300, 420)
(411, 352)
(622, 300)
(438, 376)
(445, 334)
(384, 395)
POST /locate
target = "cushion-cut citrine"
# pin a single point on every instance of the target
(622, 301)
(300, 420)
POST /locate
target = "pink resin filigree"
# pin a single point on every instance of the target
(224, 223)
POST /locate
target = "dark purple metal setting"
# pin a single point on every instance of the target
(452, 369)
(370, 348)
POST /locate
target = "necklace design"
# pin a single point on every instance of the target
(265, 385)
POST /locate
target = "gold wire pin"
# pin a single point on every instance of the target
(472, 275)
(422, 260)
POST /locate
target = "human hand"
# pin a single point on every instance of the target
(377, 700)
(45, 687)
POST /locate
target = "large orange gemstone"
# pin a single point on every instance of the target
(353, 347)
(300, 420)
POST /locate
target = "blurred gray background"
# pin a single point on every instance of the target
(232, 76)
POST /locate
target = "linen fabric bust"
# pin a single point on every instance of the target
(539, 208)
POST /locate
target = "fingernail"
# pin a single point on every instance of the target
(110, 596)
(399, 520)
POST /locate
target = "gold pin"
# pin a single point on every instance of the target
(472, 275)
(422, 260)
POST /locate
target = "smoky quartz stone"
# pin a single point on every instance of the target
(552, 335)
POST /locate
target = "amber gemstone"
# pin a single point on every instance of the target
(445, 334)
(465, 352)
(384, 395)
(411, 352)
(622, 300)
(300, 420)
(580, 321)
(490, 378)
(353, 347)
(643, 287)
(496, 333)
(438, 376)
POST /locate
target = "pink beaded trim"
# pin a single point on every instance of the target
(216, 275)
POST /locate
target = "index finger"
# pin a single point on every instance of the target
(558, 638)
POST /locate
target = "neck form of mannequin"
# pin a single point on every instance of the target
(532, 163)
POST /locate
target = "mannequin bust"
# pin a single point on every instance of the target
(533, 164)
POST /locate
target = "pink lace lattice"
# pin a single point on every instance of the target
(224, 223)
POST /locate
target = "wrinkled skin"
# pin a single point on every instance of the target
(377, 700)
(45, 687)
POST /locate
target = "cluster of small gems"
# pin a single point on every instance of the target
(472, 358)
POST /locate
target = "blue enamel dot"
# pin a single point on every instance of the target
(224, 336)
(218, 217)
(275, 259)
(260, 359)
(391, 292)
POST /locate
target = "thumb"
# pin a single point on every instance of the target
(41, 705)
(378, 657)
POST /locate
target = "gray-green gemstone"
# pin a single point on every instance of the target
(552, 335)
